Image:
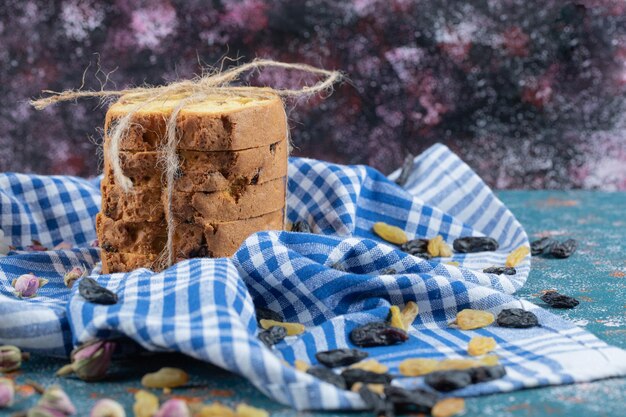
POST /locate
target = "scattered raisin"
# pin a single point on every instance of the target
(449, 407)
(327, 375)
(446, 381)
(479, 345)
(409, 313)
(411, 401)
(407, 168)
(415, 246)
(556, 300)
(471, 244)
(395, 318)
(391, 234)
(293, 329)
(486, 373)
(340, 357)
(438, 247)
(371, 365)
(93, 292)
(301, 365)
(388, 271)
(417, 366)
(517, 318)
(376, 403)
(499, 270)
(263, 313)
(564, 249)
(517, 256)
(107, 247)
(377, 334)
(272, 335)
(469, 319)
(301, 226)
(542, 245)
(354, 375)
(165, 378)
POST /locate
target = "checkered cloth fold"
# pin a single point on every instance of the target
(331, 281)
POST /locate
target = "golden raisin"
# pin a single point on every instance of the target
(409, 313)
(390, 233)
(395, 317)
(437, 247)
(453, 263)
(292, 328)
(377, 388)
(146, 404)
(417, 366)
(301, 365)
(448, 407)
(469, 319)
(371, 365)
(244, 410)
(457, 364)
(216, 410)
(517, 256)
(480, 345)
(433, 246)
(165, 378)
(489, 360)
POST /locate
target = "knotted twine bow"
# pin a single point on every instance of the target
(186, 92)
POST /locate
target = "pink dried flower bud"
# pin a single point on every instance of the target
(53, 403)
(7, 392)
(107, 408)
(26, 285)
(11, 358)
(36, 246)
(72, 276)
(174, 408)
(63, 246)
(91, 361)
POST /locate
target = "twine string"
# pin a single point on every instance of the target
(186, 92)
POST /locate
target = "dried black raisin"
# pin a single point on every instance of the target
(340, 357)
(415, 246)
(517, 318)
(407, 168)
(272, 335)
(300, 226)
(499, 270)
(93, 292)
(354, 375)
(471, 244)
(263, 313)
(327, 375)
(564, 249)
(411, 401)
(542, 245)
(380, 406)
(486, 373)
(446, 381)
(556, 300)
(377, 334)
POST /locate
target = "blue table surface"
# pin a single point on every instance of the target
(595, 274)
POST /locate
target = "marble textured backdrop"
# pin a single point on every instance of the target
(530, 92)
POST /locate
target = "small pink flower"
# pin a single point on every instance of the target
(26, 285)
(70, 277)
(7, 392)
(107, 408)
(174, 408)
(53, 403)
(91, 361)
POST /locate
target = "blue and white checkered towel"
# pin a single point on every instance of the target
(205, 307)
